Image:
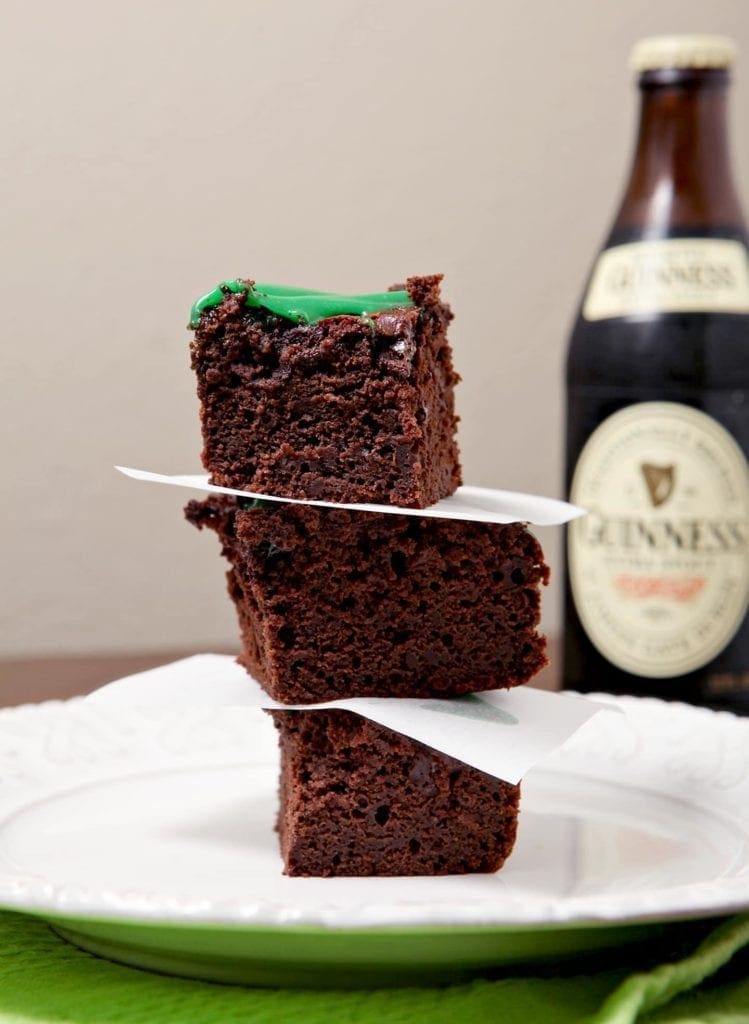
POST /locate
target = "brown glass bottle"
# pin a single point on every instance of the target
(658, 409)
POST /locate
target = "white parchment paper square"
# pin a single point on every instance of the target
(500, 732)
(474, 504)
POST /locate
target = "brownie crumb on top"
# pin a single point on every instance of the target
(336, 603)
(360, 799)
(347, 409)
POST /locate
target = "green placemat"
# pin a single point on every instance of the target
(45, 981)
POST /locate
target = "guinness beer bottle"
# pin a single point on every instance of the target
(658, 407)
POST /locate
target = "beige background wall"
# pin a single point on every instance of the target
(152, 149)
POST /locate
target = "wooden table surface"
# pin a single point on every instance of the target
(29, 680)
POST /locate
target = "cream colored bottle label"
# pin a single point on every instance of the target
(659, 567)
(674, 275)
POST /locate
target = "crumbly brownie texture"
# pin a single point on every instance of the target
(334, 603)
(348, 409)
(359, 799)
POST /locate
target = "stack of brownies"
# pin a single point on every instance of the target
(349, 399)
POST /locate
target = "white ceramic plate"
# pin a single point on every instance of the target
(148, 836)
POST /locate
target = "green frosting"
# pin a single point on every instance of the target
(299, 305)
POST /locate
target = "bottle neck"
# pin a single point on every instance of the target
(681, 173)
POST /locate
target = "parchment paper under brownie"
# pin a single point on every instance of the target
(336, 603)
(341, 398)
(359, 799)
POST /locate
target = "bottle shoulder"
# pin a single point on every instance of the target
(671, 308)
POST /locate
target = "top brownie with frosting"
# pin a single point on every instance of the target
(330, 397)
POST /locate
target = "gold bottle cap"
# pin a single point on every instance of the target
(689, 51)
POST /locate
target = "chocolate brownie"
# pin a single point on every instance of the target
(359, 799)
(335, 603)
(346, 406)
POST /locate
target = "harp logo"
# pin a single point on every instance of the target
(659, 481)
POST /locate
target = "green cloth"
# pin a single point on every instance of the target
(43, 980)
